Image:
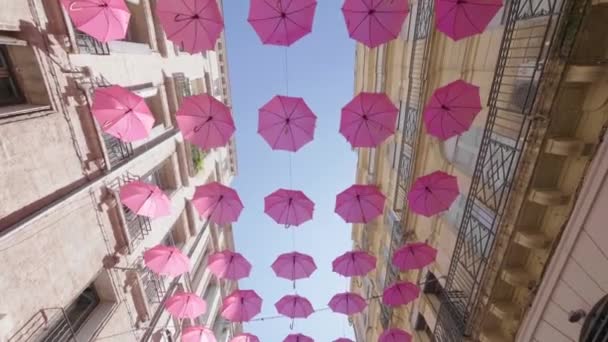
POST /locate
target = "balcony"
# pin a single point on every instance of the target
(89, 45)
(153, 286)
(138, 227)
(117, 150)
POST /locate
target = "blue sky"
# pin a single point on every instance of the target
(321, 70)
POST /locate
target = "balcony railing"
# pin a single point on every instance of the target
(523, 55)
(153, 285)
(118, 151)
(90, 45)
(46, 325)
(138, 227)
(182, 84)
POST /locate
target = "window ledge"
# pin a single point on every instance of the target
(120, 46)
(28, 110)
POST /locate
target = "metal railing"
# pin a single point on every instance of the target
(118, 151)
(138, 227)
(90, 45)
(522, 58)
(153, 285)
(415, 93)
(392, 273)
(182, 84)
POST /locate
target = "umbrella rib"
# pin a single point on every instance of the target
(302, 129)
(188, 7)
(273, 113)
(466, 14)
(447, 13)
(385, 28)
(301, 8)
(273, 31)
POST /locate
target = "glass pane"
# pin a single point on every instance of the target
(8, 92)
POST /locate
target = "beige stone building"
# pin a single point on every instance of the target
(523, 252)
(70, 253)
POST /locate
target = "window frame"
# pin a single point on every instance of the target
(7, 72)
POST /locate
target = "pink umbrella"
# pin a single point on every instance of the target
(360, 203)
(229, 265)
(241, 306)
(395, 335)
(281, 22)
(186, 305)
(414, 256)
(205, 121)
(298, 338)
(166, 260)
(400, 293)
(286, 123)
(294, 306)
(354, 264)
(433, 193)
(198, 334)
(245, 338)
(368, 119)
(347, 303)
(104, 20)
(459, 19)
(373, 22)
(289, 207)
(145, 199)
(343, 339)
(121, 113)
(294, 266)
(452, 109)
(217, 203)
(194, 25)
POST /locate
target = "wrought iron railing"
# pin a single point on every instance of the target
(90, 45)
(420, 48)
(118, 151)
(391, 272)
(138, 227)
(154, 287)
(182, 84)
(46, 325)
(519, 71)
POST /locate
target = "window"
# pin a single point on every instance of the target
(462, 150)
(9, 91)
(482, 218)
(75, 316)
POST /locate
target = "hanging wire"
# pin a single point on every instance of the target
(286, 73)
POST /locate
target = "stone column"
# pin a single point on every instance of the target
(149, 24)
(164, 103)
(182, 158)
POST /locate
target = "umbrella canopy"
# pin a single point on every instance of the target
(241, 306)
(229, 265)
(360, 203)
(459, 19)
(354, 264)
(414, 256)
(294, 306)
(343, 339)
(121, 113)
(245, 338)
(433, 193)
(104, 20)
(205, 121)
(198, 334)
(217, 203)
(400, 294)
(281, 22)
(194, 25)
(294, 266)
(373, 22)
(186, 305)
(368, 119)
(166, 260)
(145, 199)
(395, 335)
(347, 303)
(286, 123)
(298, 338)
(452, 109)
(289, 207)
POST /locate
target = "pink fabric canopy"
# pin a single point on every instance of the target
(245, 338)
(286, 123)
(354, 264)
(294, 266)
(104, 20)
(368, 120)
(186, 305)
(281, 22)
(400, 293)
(395, 335)
(217, 203)
(198, 334)
(166, 260)
(289, 207)
(121, 113)
(373, 22)
(452, 109)
(229, 265)
(298, 338)
(145, 199)
(347, 303)
(433, 193)
(241, 306)
(294, 306)
(193, 25)
(360, 203)
(414, 256)
(205, 121)
(343, 339)
(459, 19)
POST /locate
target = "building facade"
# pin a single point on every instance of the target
(71, 253)
(522, 252)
